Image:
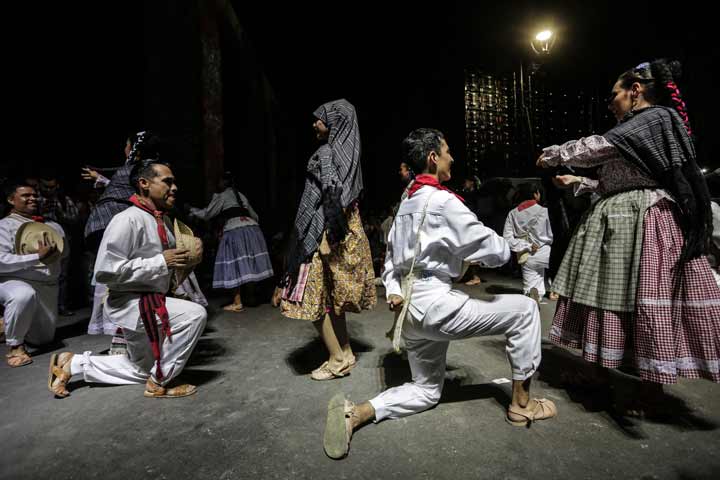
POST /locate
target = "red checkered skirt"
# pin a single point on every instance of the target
(666, 336)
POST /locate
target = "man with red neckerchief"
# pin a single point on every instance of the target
(434, 234)
(136, 260)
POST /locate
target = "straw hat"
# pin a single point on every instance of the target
(523, 257)
(185, 239)
(30, 233)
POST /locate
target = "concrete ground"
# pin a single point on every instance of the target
(258, 415)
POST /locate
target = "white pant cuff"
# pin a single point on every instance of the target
(380, 412)
(523, 375)
(77, 363)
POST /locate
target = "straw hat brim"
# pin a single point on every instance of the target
(30, 233)
(185, 239)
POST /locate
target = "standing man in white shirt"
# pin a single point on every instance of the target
(449, 234)
(528, 233)
(136, 260)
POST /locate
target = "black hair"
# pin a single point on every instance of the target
(417, 146)
(660, 79)
(144, 169)
(229, 180)
(9, 187)
(526, 191)
(144, 145)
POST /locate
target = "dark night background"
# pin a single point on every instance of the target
(82, 77)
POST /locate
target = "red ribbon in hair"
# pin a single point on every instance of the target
(679, 104)
(425, 179)
(152, 303)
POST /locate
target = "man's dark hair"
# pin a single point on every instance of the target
(526, 191)
(11, 186)
(144, 169)
(417, 146)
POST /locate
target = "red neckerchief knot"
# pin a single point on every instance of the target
(425, 179)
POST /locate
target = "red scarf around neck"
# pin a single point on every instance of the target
(526, 204)
(425, 179)
(137, 201)
(34, 218)
(152, 303)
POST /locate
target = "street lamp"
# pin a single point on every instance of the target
(543, 42)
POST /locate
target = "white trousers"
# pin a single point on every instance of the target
(187, 321)
(515, 316)
(533, 271)
(533, 277)
(30, 311)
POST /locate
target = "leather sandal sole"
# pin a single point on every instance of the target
(335, 438)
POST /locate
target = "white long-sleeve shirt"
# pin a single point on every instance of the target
(25, 267)
(526, 227)
(223, 201)
(450, 236)
(130, 262)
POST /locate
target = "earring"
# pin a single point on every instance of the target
(633, 103)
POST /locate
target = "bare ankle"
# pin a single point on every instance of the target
(336, 359)
(520, 393)
(362, 414)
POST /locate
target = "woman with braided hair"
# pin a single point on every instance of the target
(635, 286)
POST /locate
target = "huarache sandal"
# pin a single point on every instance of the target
(18, 357)
(338, 427)
(153, 390)
(59, 373)
(324, 372)
(542, 410)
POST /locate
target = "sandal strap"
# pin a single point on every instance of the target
(527, 416)
(61, 374)
(59, 389)
(325, 368)
(349, 409)
(18, 355)
(340, 371)
(17, 352)
(543, 409)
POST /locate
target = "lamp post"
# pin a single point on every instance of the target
(541, 44)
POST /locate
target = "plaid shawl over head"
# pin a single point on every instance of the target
(333, 181)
